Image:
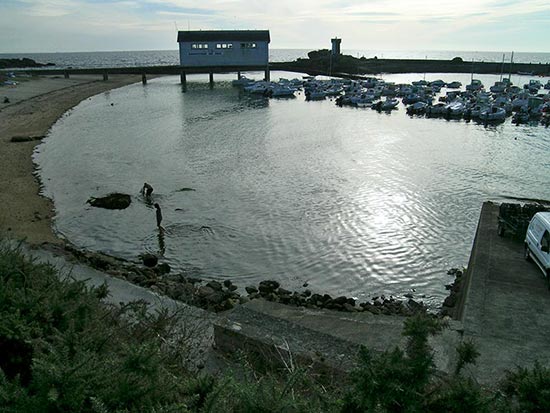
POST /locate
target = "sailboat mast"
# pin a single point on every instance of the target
(502, 67)
(511, 62)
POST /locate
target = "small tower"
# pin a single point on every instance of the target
(335, 47)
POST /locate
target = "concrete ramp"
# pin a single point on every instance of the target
(329, 341)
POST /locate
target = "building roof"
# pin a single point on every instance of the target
(223, 35)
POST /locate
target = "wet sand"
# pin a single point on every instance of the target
(35, 105)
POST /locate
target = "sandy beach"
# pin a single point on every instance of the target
(34, 106)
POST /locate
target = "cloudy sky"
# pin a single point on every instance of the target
(97, 25)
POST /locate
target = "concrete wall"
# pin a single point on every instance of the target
(235, 56)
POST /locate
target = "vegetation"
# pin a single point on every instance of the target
(62, 349)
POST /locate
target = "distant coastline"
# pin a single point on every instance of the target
(83, 60)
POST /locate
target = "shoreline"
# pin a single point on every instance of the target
(35, 105)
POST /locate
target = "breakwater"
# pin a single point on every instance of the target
(347, 65)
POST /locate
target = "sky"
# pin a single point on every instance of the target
(30, 26)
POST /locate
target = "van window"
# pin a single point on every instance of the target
(545, 241)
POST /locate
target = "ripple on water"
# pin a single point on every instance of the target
(350, 201)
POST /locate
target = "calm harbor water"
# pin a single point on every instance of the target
(349, 200)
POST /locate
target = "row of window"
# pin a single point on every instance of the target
(223, 45)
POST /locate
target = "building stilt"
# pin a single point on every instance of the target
(144, 78)
(66, 74)
(267, 75)
(211, 79)
(238, 75)
(105, 76)
(183, 80)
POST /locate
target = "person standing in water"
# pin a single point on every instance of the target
(147, 190)
(159, 216)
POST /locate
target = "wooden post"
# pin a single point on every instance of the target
(238, 75)
(105, 76)
(267, 75)
(144, 78)
(211, 79)
(183, 78)
(66, 74)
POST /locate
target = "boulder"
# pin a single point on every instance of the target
(251, 289)
(267, 287)
(163, 268)
(215, 285)
(149, 260)
(114, 200)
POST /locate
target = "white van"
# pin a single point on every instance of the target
(537, 242)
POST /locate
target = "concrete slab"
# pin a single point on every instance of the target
(325, 336)
(507, 304)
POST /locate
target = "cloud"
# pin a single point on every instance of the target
(305, 23)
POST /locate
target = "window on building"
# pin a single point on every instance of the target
(248, 45)
(224, 45)
(199, 46)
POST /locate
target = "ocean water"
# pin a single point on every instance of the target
(347, 200)
(171, 57)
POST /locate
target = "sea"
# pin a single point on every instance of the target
(339, 200)
(171, 57)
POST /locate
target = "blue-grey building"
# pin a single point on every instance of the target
(209, 48)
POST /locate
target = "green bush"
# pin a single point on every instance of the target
(62, 349)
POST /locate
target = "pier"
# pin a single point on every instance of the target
(505, 310)
(145, 71)
(352, 68)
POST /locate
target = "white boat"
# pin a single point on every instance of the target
(242, 81)
(389, 104)
(493, 114)
(476, 111)
(498, 87)
(456, 108)
(454, 85)
(417, 108)
(436, 110)
(315, 94)
(547, 85)
(257, 87)
(474, 85)
(364, 99)
(282, 91)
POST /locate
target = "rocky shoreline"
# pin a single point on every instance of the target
(219, 296)
(320, 62)
(22, 63)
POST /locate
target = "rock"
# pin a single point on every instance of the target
(149, 260)
(306, 293)
(251, 290)
(163, 268)
(205, 291)
(267, 287)
(17, 139)
(450, 301)
(416, 307)
(111, 201)
(215, 285)
(227, 284)
(282, 291)
(350, 308)
(6, 99)
(340, 300)
(408, 295)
